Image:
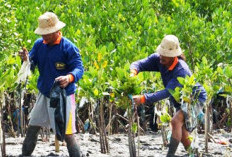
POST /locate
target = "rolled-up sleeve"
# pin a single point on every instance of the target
(75, 64)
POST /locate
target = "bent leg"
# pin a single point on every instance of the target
(177, 124)
(73, 148)
(185, 140)
(30, 140)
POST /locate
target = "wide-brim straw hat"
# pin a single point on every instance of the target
(48, 23)
(169, 47)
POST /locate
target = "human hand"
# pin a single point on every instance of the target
(133, 72)
(63, 80)
(23, 54)
(139, 99)
(132, 75)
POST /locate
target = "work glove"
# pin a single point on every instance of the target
(139, 99)
(133, 72)
(65, 80)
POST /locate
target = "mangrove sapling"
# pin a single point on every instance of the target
(9, 101)
(229, 101)
(135, 128)
(228, 77)
(109, 127)
(21, 90)
(131, 140)
(161, 110)
(124, 86)
(22, 79)
(206, 127)
(163, 133)
(21, 96)
(138, 129)
(213, 80)
(102, 129)
(188, 100)
(80, 124)
(91, 118)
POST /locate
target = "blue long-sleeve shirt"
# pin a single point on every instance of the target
(54, 61)
(169, 78)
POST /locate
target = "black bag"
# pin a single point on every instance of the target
(58, 101)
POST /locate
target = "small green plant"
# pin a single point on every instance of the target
(124, 85)
(184, 93)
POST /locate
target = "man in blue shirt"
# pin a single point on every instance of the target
(57, 59)
(169, 61)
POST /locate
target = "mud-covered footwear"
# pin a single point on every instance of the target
(73, 148)
(30, 140)
(172, 147)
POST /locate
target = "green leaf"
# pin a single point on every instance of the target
(228, 72)
(175, 93)
(165, 118)
(204, 61)
(181, 80)
(134, 127)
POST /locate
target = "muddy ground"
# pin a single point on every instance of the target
(151, 145)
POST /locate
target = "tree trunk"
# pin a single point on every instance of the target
(91, 119)
(131, 139)
(110, 119)
(2, 137)
(138, 130)
(8, 107)
(206, 127)
(230, 111)
(164, 136)
(115, 122)
(21, 97)
(103, 138)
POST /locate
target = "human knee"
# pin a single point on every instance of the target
(174, 122)
(178, 118)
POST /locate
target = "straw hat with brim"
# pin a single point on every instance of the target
(169, 46)
(48, 23)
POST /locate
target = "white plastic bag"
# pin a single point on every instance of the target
(24, 72)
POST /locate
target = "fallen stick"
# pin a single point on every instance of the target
(128, 121)
(211, 137)
(122, 117)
